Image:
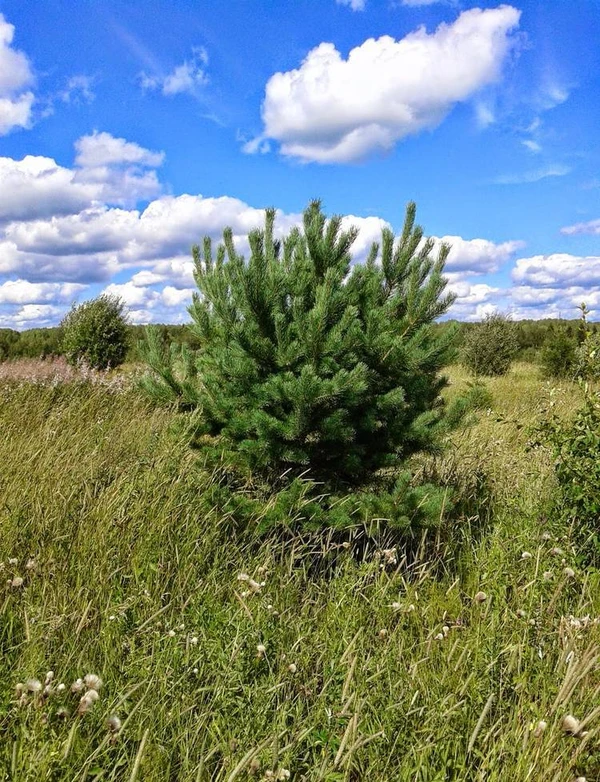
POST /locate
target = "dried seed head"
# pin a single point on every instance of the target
(283, 774)
(33, 685)
(49, 677)
(243, 577)
(194, 640)
(261, 649)
(569, 572)
(480, 597)
(292, 667)
(19, 689)
(540, 728)
(77, 686)
(113, 723)
(60, 687)
(382, 633)
(445, 630)
(546, 536)
(526, 555)
(396, 606)
(17, 582)
(31, 564)
(557, 552)
(92, 682)
(548, 575)
(171, 633)
(13, 561)
(521, 613)
(571, 725)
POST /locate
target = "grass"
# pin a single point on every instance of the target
(348, 672)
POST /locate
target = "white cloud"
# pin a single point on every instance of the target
(187, 77)
(25, 292)
(419, 3)
(78, 89)
(16, 76)
(38, 187)
(589, 227)
(354, 5)
(335, 110)
(477, 256)
(537, 175)
(102, 149)
(122, 171)
(532, 146)
(558, 270)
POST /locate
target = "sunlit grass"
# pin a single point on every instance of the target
(347, 670)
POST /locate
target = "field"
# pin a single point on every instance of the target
(226, 657)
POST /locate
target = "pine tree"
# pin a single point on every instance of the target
(310, 363)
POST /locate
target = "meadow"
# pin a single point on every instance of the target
(225, 656)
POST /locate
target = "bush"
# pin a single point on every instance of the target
(310, 364)
(559, 356)
(576, 450)
(95, 333)
(489, 347)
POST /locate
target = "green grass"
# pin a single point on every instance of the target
(134, 583)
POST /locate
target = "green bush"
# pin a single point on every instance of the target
(559, 356)
(95, 333)
(575, 445)
(310, 363)
(489, 348)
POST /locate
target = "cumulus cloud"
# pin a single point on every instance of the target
(336, 110)
(25, 292)
(558, 270)
(121, 171)
(37, 187)
(187, 77)
(478, 256)
(108, 170)
(16, 77)
(102, 149)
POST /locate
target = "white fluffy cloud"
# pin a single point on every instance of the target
(478, 256)
(25, 292)
(335, 110)
(38, 187)
(16, 78)
(60, 242)
(558, 270)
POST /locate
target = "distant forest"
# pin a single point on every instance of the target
(532, 335)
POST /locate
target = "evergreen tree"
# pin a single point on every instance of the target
(308, 362)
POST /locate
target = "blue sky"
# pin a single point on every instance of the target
(130, 130)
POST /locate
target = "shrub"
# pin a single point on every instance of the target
(490, 347)
(310, 364)
(559, 356)
(95, 333)
(575, 444)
